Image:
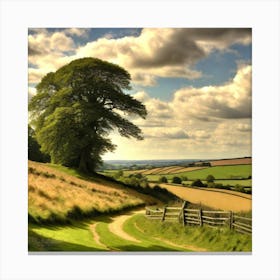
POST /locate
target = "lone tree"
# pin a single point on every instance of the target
(210, 179)
(76, 108)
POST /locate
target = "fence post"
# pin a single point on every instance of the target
(183, 213)
(163, 213)
(230, 219)
(200, 217)
(147, 212)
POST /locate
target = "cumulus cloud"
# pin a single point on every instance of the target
(169, 133)
(153, 53)
(230, 101)
(214, 117)
(164, 52)
(79, 32)
(45, 43)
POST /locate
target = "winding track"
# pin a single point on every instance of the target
(116, 227)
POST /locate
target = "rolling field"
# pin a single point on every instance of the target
(218, 200)
(72, 212)
(219, 172)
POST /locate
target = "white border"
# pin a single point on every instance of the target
(17, 16)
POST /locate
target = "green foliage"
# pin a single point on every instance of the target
(34, 152)
(76, 107)
(184, 178)
(239, 188)
(163, 179)
(210, 179)
(118, 174)
(176, 180)
(197, 183)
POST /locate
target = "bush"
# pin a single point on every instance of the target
(163, 179)
(197, 183)
(138, 176)
(239, 188)
(184, 178)
(210, 179)
(118, 174)
(176, 180)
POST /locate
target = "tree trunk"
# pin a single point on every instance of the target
(83, 163)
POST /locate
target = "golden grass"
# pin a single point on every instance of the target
(217, 200)
(166, 170)
(187, 169)
(55, 192)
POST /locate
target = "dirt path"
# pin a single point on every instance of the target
(96, 236)
(116, 226)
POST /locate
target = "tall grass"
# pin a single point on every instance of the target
(56, 197)
(216, 240)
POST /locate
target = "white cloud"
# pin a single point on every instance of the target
(79, 32)
(189, 126)
(231, 100)
(163, 52)
(31, 92)
(154, 53)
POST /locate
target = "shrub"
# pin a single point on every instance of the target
(184, 178)
(197, 183)
(239, 188)
(163, 179)
(138, 176)
(210, 179)
(211, 185)
(176, 180)
(118, 174)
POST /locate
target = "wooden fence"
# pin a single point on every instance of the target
(200, 217)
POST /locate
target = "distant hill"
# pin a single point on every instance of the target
(150, 164)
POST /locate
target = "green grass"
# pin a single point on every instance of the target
(215, 240)
(219, 172)
(119, 244)
(152, 234)
(76, 237)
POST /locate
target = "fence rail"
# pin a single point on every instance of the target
(200, 217)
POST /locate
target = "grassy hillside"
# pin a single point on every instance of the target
(56, 194)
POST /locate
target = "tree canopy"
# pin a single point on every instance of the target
(76, 108)
(34, 152)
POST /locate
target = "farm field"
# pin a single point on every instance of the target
(237, 161)
(71, 212)
(219, 172)
(222, 199)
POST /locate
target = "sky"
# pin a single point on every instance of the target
(194, 82)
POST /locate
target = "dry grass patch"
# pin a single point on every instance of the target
(54, 194)
(216, 200)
